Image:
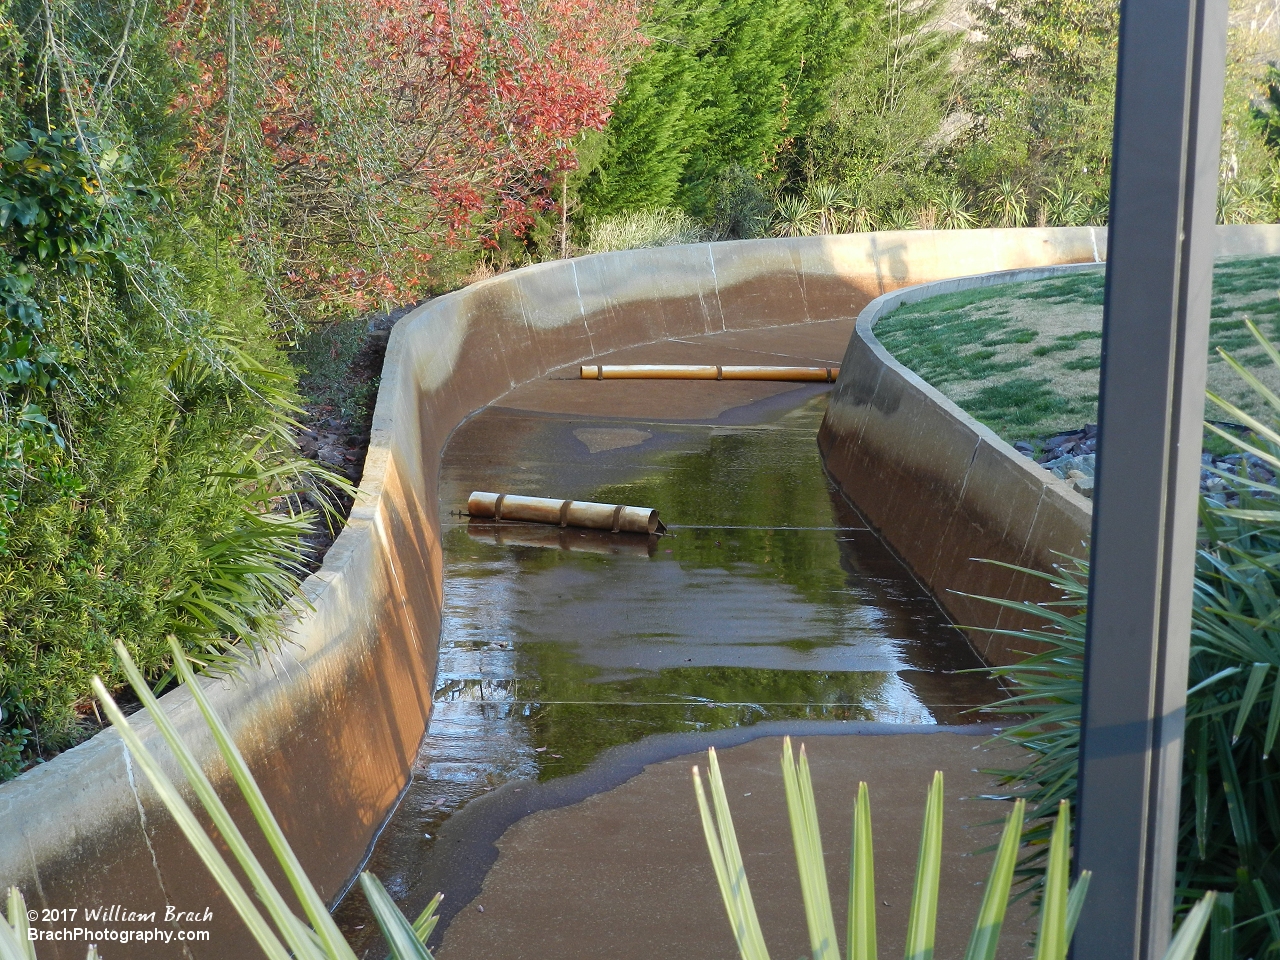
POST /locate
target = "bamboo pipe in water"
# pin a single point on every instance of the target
(567, 513)
(572, 539)
(695, 371)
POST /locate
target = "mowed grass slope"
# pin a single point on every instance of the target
(1023, 358)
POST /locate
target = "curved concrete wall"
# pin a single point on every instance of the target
(331, 723)
(943, 489)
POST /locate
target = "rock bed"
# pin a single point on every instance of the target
(1071, 457)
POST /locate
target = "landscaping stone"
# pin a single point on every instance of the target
(1071, 456)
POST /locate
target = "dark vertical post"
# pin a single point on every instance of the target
(1155, 339)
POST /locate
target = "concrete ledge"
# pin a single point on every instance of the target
(331, 723)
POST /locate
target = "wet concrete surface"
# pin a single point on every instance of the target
(769, 602)
(625, 872)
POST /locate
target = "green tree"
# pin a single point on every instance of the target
(884, 123)
(722, 85)
(1041, 92)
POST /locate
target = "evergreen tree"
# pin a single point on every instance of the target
(723, 84)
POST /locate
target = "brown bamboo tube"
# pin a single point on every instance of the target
(695, 371)
(566, 513)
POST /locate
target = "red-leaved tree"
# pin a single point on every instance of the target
(349, 141)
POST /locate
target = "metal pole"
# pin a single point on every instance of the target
(1155, 340)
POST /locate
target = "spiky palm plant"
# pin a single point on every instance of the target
(1063, 205)
(1229, 838)
(1062, 902)
(1007, 204)
(1244, 201)
(793, 216)
(953, 210)
(899, 218)
(830, 202)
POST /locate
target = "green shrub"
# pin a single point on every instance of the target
(722, 85)
(148, 510)
(147, 474)
(879, 133)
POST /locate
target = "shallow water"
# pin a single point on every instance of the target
(768, 600)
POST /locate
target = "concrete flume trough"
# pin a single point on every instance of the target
(331, 722)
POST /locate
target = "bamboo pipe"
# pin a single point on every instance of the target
(567, 513)
(572, 539)
(695, 371)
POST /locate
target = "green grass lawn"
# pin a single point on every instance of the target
(1023, 357)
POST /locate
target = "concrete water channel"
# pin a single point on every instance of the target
(569, 660)
(332, 723)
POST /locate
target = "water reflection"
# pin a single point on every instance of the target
(770, 601)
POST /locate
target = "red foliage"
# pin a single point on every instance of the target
(355, 137)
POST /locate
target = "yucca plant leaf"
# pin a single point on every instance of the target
(1075, 902)
(1220, 675)
(1268, 908)
(190, 826)
(14, 942)
(1222, 928)
(321, 922)
(921, 928)
(11, 948)
(1244, 373)
(803, 814)
(396, 929)
(862, 882)
(1240, 824)
(1051, 941)
(722, 843)
(995, 899)
(427, 919)
(1201, 789)
(1257, 676)
(1239, 416)
(19, 924)
(733, 854)
(268, 895)
(1188, 936)
(1273, 721)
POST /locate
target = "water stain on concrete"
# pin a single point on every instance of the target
(601, 439)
